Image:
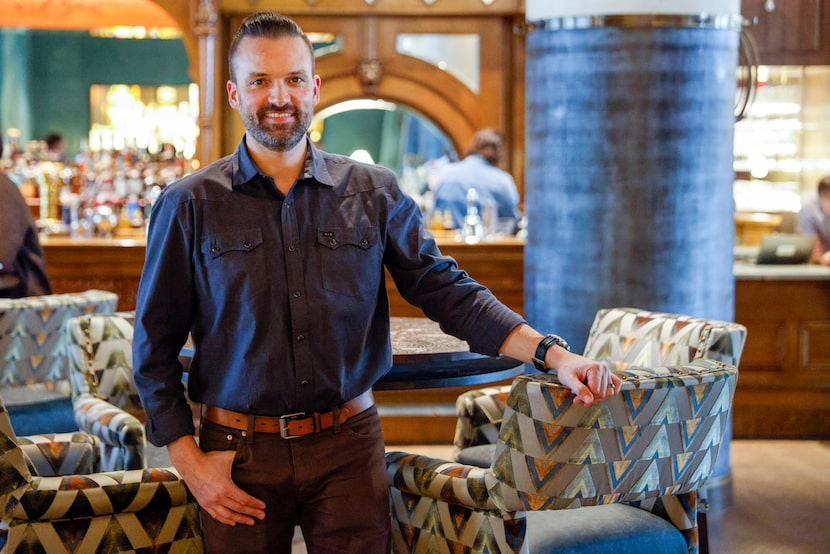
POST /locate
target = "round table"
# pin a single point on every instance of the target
(423, 356)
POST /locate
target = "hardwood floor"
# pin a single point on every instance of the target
(781, 498)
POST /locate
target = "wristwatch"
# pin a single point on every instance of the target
(542, 350)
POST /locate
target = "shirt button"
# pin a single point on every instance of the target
(300, 338)
(292, 248)
(246, 245)
(296, 294)
(214, 249)
(333, 242)
(305, 382)
(364, 242)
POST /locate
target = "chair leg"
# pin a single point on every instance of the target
(702, 532)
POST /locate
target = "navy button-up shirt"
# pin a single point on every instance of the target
(284, 296)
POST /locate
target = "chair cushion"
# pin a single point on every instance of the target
(46, 414)
(478, 456)
(608, 529)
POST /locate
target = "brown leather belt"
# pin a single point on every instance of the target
(289, 426)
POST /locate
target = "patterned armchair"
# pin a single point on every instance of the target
(33, 368)
(620, 336)
(632, 464)
(105, 399)
(51, 500)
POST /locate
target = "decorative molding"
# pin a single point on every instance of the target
(207, 18)
(370, 72)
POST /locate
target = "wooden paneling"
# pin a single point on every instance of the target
(790, 32)
(784, 383)
(107, 264)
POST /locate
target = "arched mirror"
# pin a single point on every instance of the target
(388, 134)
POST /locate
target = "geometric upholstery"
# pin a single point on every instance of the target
(61, 453)
(105, 399)
(620, 337)
(33, 362)
(649, 449)
(124, 511)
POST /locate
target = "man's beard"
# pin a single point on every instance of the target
(277, 137)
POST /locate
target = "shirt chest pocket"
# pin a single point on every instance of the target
(350, 260)
(235, 263)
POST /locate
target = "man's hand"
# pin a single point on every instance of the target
(825, 258)
(589, 380)
(208, 476)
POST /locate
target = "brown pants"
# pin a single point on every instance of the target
(332, 484)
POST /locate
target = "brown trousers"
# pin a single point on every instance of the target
(332, 484)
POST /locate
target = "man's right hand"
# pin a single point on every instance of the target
(208, 476)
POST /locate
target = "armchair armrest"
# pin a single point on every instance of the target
(98, 494)
(439, 479)
(445, 506)
(122, 434)
(480, 413)
(61, 454)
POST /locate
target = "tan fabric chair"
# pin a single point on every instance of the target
(34, 375)
(641, 455)
(83, 511)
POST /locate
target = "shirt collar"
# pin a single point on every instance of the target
(246, 170)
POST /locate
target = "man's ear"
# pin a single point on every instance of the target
(232, 100)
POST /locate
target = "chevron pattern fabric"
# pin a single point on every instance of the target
(480, 413)
(126, 511)
(105, 399)
(639, 337)
(659, 436)
(652, 446)
(61, 453)
(622, 337)
(31, 338)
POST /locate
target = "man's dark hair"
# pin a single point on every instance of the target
(267, 25)
(52, 140)
(824, 186)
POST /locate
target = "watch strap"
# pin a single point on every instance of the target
(542, 350)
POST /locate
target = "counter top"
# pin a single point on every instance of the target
(752, 271)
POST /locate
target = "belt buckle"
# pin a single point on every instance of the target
(284, 419)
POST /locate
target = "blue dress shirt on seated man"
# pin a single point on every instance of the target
(478, 170)
(273, 259)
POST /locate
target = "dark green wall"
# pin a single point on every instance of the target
(59, 68)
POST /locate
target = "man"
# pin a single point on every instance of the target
(479, 170)
(814, 219)
(22, 264)
(272, 259)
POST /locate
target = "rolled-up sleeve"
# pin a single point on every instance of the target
(433, 282)
(163, 315)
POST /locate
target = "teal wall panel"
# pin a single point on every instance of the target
(45, 77)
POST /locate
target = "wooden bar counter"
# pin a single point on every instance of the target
(783, 387)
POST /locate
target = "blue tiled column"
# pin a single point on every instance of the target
(628, 188)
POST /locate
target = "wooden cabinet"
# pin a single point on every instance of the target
(784, 381)
(790, 32)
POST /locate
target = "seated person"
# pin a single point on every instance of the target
(479, 170)
(22, 265)
(814, 219)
